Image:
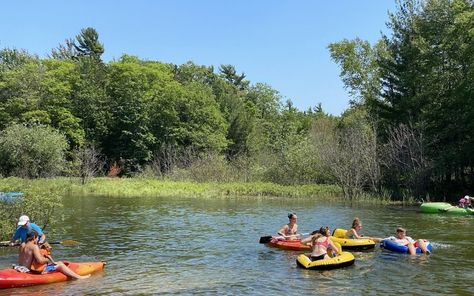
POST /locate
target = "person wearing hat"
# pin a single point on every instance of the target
(405, 240)
(25, 226)
(468, 201)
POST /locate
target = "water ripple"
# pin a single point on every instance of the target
(196, 247)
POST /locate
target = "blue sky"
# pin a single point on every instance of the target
(279, 42)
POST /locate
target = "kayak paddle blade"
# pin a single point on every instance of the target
(68, 242)
(265, 239)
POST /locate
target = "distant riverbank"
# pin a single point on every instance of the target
(133, 187)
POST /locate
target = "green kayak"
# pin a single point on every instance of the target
(444, 207)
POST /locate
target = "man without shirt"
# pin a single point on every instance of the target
(31, 259)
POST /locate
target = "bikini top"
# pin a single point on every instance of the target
(351, 235)
(323, 243)
(290, 231)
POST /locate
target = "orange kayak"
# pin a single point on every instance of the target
(291, 245)
(10, 278)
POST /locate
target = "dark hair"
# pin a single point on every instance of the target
(31, 235)
(291, 215)
(314, 232)
(324, 230)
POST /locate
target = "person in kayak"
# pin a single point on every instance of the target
(466, 202)
(353, 232)
(32, 260)
(289, 231)
(320, 243)
(402, 239)
(25, 226)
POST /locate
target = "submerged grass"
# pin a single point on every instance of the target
(150, 187)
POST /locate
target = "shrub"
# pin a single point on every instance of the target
(32, 151)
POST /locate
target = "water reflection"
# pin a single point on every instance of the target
(189, 246)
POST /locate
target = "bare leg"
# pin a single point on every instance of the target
(375, 239)
(411, 249)
(422, 245)
(67, 271)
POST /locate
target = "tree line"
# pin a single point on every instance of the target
(407, 133)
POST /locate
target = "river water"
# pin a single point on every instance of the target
(200, 246)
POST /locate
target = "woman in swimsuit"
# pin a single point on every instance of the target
(357, 226)
(320, 243)
(288, 231)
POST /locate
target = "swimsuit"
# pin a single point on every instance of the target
(290, 231)
(324, 243)
(50, 268)
(320, 257)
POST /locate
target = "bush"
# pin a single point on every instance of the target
(32, 151)
(39, 204)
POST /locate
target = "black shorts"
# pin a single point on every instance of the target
(320, 257)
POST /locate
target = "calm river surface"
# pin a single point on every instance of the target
(195, 246)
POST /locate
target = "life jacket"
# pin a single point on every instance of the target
(39, 267)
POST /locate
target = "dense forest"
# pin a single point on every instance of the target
(409, 130)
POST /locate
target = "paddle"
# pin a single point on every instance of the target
(66, 242)
(267, 238)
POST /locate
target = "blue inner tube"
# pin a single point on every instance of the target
(393, 246)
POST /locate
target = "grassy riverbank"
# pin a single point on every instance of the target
(133, 187)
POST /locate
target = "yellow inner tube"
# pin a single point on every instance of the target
(341, 260)
(339, 236)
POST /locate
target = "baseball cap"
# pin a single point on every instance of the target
(23, 220)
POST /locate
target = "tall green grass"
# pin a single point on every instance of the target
(135, 187)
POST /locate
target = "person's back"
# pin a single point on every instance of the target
(26, 255)
(320, 244)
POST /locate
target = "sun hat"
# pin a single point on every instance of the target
(23, 220)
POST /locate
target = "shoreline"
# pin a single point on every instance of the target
(151, 187)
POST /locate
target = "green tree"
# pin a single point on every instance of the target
(129, 140)
(229, 73)
(360, 71)
(88, 43)
(32, 152)
(228, 90)
(189, 116)
(89, 99)
(66, 51)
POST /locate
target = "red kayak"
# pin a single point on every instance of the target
(10, 278)
(291, 245)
